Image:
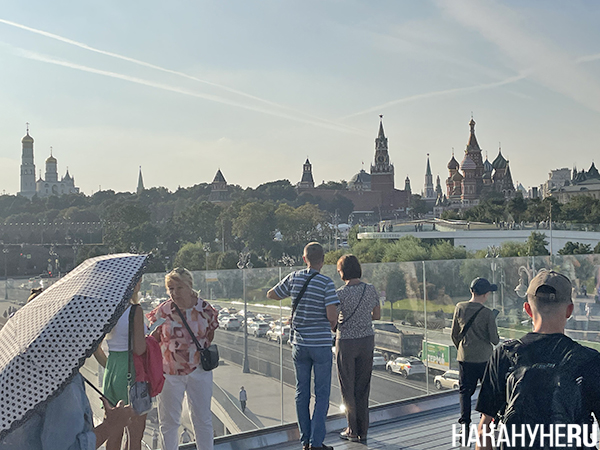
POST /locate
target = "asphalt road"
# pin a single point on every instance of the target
(263, 357)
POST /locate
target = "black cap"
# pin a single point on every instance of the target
(481, 286)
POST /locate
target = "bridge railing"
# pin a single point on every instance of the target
(418, 297)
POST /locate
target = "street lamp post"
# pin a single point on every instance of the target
(243, 264)
(5, 251)
(289, 262)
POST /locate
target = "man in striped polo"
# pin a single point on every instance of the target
(312, 322)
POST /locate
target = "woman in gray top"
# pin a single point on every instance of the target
(355, 341)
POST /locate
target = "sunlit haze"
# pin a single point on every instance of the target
(255, 87)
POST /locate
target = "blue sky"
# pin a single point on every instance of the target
(184, 88)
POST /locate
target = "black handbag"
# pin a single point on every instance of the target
(139, 392)
(209, 356)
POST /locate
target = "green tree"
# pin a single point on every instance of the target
(191, 256)
(198, 222)
(536, 244)
(255, 226)
(407, 248)
(575, 248)
(298, 226)
(445, 250)
(517, 207)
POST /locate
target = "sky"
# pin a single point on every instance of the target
(184, 88)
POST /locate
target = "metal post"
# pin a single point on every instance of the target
(5, 251)
(425, 322)
(245, 365)
(281, 354)
(551, 249)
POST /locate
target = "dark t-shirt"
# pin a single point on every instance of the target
(544, 348)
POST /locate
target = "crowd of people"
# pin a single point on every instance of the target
(521, 380)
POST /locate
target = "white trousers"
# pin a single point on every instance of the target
(198, 386)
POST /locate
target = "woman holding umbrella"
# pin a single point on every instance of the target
(44, 405)
(181, 360)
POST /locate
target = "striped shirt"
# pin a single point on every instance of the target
(310, 326)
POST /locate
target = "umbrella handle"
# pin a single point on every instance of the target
(98, 391)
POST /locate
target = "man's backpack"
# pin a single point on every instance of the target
(544, 393)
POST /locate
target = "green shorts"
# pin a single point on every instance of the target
(115, 384)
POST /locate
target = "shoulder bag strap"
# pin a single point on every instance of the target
(132, 309)
(357, 305)
(301, 293)
(463, 333)
(187, 327)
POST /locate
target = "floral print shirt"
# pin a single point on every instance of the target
(180, 355)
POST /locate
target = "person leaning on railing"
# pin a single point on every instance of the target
(181, 360)
(355, 343)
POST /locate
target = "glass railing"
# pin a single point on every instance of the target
(418, 297)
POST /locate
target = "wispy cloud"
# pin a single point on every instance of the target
(444, 93)
(549, 65)
(50, 60)
(312, 119)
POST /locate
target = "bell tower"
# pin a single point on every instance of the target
(27, 167)
(382, 172)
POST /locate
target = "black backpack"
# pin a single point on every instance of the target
(545, 393)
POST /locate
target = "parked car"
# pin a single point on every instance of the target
(229, 323)
(250, 314)
(378, 360)
(406, 367)
(258, 329)
(448, 379)
(279, 333)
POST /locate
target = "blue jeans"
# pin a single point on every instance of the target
(312, 431)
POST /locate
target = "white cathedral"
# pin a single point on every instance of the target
(48, 186)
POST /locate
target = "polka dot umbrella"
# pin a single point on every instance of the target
(45, 343)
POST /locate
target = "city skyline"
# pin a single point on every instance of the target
(253, 89)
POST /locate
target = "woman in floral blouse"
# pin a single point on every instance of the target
(355, 341)
(181, 360)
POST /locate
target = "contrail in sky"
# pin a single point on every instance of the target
(42, 58)
(428, 95)
(337, 126)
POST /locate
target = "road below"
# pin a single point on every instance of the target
(263, 357)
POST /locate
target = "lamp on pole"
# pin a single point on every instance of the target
(206, 248)
(289, 262)
(5, 251)
(243, 264)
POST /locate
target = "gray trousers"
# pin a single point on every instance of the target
(354, 358)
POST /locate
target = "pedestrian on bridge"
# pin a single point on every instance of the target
(243, 399)
(474, 332)
(314, 316)
(355, 343)
(183, 370)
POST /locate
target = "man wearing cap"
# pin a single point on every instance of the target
(474, 333)
(549, 305)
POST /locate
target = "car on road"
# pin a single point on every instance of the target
(229, 323)
(264, 317)
(279, 333)
(258, 329)
(448, 379)
(385, 326)
(406, 366)
(378, 360)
